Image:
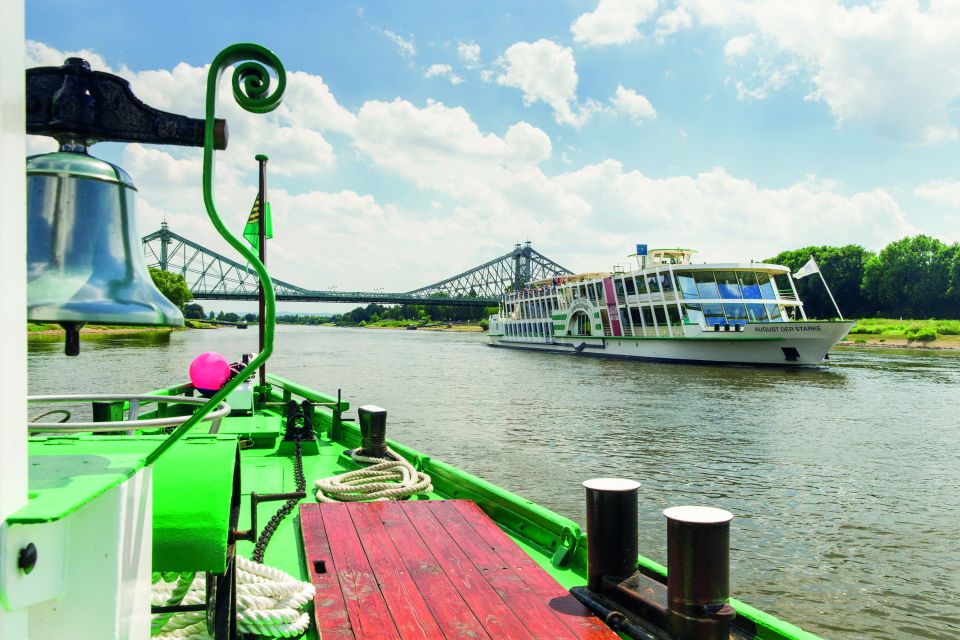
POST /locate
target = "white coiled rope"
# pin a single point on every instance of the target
(385, 479)
(269, 603)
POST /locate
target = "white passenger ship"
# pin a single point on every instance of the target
(669, 309)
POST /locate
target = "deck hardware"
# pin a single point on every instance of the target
(27, 558)
(255, 499)
(698, 573)
(612, 548)
(565, 547)
(373, 431)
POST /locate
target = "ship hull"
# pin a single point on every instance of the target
(781, 344)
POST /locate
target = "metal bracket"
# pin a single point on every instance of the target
(80, 107)
(255, 499)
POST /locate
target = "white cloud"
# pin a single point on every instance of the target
(671, 22)
(442, 71)
(892, 66)
(612, 22)
(739, 46)
(469, 52)
(544, 71)
(633, 104)
(732, 218)
(946, 192)
(406, 47)
(486, 75)
(492, 189)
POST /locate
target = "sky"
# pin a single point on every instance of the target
(418, 139)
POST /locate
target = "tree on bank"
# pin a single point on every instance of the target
(193, 311)
(172, 285)
(916, 277)
(842, 267)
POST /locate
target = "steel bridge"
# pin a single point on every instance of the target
(212, 276)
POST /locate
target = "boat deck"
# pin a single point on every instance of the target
(430, 569)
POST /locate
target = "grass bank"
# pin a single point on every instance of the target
(886, 332)
(44, 328)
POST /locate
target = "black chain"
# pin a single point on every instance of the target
(287, 507)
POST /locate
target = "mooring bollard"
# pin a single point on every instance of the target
(611, 530)
(698, 573)
(373, 431)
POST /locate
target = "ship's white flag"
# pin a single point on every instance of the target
(807, 269)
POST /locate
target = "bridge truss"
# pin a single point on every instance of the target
(212, 276)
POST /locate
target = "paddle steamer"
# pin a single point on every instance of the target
(669, 309)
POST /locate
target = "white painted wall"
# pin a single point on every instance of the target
(13, 264)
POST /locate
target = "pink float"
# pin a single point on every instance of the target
(208, 372)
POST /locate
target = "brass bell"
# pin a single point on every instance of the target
(84, 258)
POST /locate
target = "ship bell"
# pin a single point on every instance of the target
(84, 258)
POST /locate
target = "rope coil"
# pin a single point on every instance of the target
(269, 603)
(386, 479)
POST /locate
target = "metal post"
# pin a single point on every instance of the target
(698, 573)
(611, 530)
(262, 231)
(373, 431)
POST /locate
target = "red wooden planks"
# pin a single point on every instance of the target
(495, 615)
(448, 607)
(410, 613)
(431, 569)
(329, 609)
(366, 607)
(574, 615)
(533, 611)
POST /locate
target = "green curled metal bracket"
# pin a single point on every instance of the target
(251, 89)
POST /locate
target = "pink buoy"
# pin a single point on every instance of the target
(208, 372)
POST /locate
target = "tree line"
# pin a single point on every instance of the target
(916, 277)
(414, 313)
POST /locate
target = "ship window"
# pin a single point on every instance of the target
(775, 313)
(713, 314)
(661, 319)
(674, 315)
(687, 285)
(766, 285)
(728, 285)
(641, 285)
(619, 284)
(706, 285)
(666, 284)
(694, 313)
(749, 286)
(652, 283)
(648, 317)
(628, 283)
(756, 313)
(735, 312)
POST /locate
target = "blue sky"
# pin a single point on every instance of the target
(430, 136)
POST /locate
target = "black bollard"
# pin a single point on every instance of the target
(373, 431)
(698, 573)
(611, 530)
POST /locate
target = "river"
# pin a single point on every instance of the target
(845, 479)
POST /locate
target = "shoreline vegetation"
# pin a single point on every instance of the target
(52, 329)
(942, 335)
(873, 333)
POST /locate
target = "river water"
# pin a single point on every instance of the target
(845, 479)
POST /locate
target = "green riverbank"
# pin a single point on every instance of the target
(892, 333)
